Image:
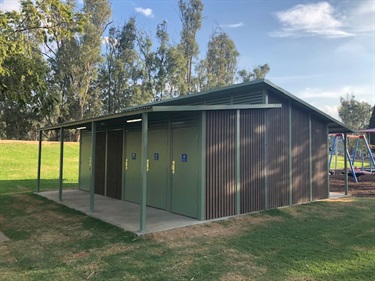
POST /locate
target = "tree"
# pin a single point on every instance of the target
(98, 13)
(219, 67)
(353, 113)
(258, 72)
(25, 99)
(118, 73)
(191, 19)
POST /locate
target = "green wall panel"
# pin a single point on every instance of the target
(85, 162)
(133, 167)
(185, 181)
(158, 168)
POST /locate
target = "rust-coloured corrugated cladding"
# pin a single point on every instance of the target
(300, 156)
(252, 135)
(220, 163)
(278, 154)
(319, 160)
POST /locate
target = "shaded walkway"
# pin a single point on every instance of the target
(120, 213)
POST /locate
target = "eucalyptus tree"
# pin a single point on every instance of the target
(220, 64)
(119, 73)
(190, 12)
(258, 72)
(98, 13)
(356, 114)
(25, 97)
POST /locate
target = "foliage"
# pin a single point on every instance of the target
(354, 113)
(53, 68)
(258, 72)
(190, 12)
(219, 67)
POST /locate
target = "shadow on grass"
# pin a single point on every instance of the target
(335, 246)
(29, 185)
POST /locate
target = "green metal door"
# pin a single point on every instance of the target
(85, 162)
(185, 165)
(133, 167)
(158, 168)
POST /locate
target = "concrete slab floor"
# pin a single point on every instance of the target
(123, 214)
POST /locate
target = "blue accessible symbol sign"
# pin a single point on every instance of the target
(184, 158)
(134, 156)
(156, 156)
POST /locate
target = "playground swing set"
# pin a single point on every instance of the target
(353, 171)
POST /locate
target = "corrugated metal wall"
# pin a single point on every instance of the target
(278, 154)
(252, 134)
(300, 156)
(220, 163)
(319, 160)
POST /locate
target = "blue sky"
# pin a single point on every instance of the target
(317, 50)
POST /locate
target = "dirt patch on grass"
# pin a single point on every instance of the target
(364, 187)
(228, 227)
(234, 277)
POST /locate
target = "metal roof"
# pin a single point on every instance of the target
(334, 126)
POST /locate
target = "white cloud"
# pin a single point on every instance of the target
(233, 25)
(147, 12)
(10, 5)
(362, 17)
(317, 19)
(328, 100)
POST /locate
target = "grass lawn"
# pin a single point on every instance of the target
(19, 162)
(326, 240)
(340, 163)
(329, 240)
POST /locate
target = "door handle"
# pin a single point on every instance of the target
(89, 163)
(147, 165)
(173, 167)
(126, 164)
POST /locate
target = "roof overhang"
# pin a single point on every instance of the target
(129, 115)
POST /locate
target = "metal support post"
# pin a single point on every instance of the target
(346, 166)
(144, 172)
(39, 161)
(92, 179)
(61, 163)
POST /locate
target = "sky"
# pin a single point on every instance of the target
(318, 51)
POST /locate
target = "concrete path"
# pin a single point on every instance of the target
(127, 215)
(333, 195)
(120, 213)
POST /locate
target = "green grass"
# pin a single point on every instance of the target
(19, 162)
(330, 240)
(340, 163)
(327, 240)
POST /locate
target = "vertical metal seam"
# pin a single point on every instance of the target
(290, 157)
(92, 178)
(61, 163)
(202, 214)
(238, 162)
(39, 161)
(144, 172)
